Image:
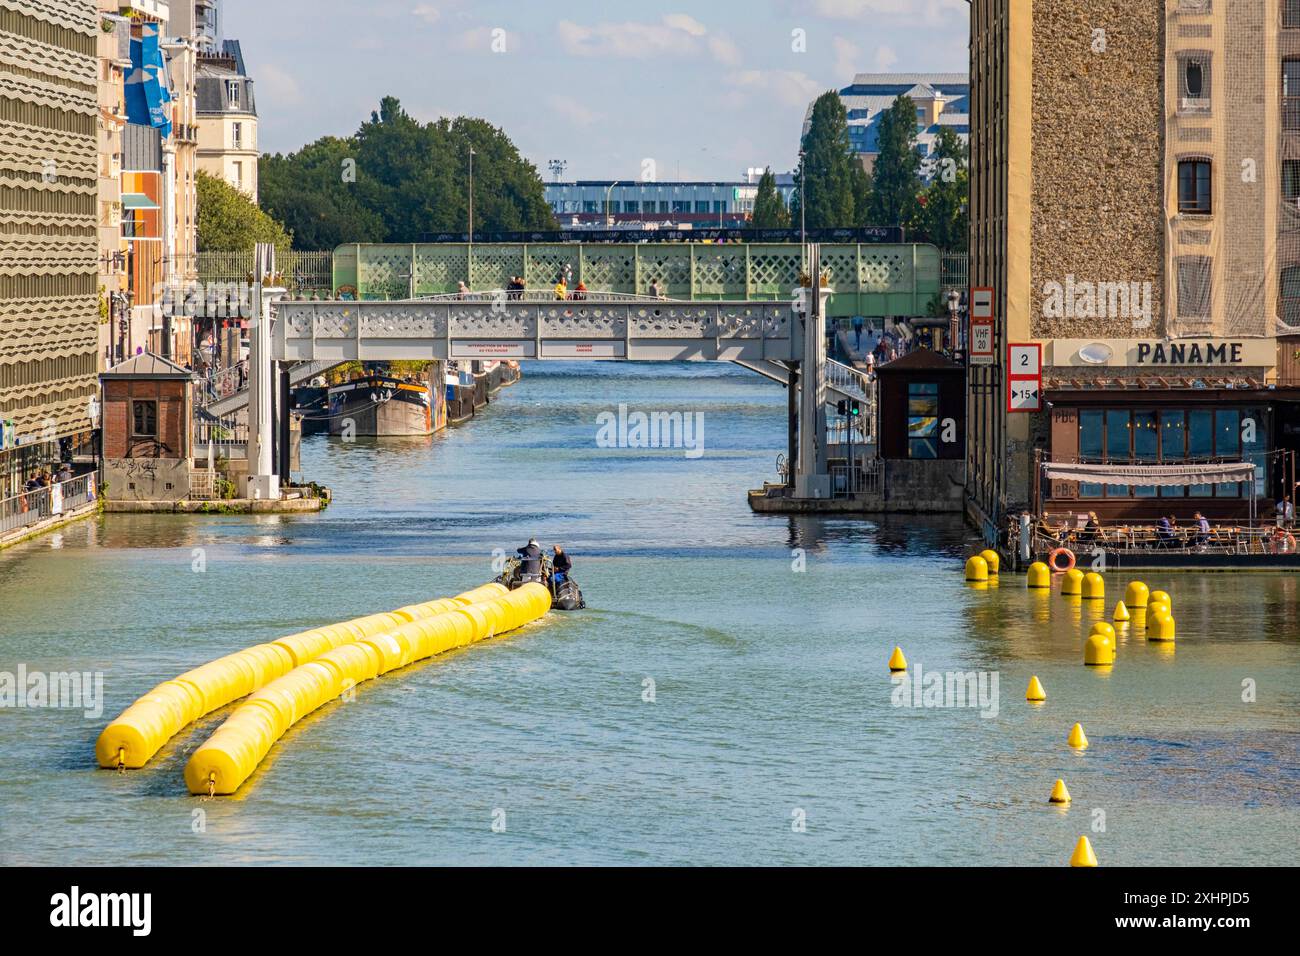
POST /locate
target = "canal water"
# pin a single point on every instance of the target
(725, 698)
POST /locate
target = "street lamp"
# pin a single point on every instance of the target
(608, 220)
(471, 195)
(803, 206)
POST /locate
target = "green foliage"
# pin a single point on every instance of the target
(894, 179)
(769, 210)
(231, 222)
(396, 179)
(945, 214)
(835, 186)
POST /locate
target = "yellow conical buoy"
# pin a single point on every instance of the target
(992, 559)
(1077, 739)
(897, 662)
(1162, 596)
(1099, 650)
(1162, 627)
(1094, 587)
(1040, 575)
(1035, 691)
(1121, 612)
(1072, 583)
(1137, 595)
(1083, 855)
(1059, 793)
(977, 569)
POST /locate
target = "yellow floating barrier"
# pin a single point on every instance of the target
(226, 759)
(977, 569)
(139, 732)
(1136, 596)
(1077, 739)
(1162, 596)
(1083, 855)
(1156, 608)
(1059, 793)
(1035, 690)
(897, 662)
(1072, 583)
(992, 559)
(1094, 587)
(1162, 627)
(1040, 576)
(1099, 650)
(1121, 613)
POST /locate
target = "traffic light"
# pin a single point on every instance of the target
(855, 408)
(842, 407)
(849, 407)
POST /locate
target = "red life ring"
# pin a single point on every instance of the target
(1283, 542)
(1051, 559)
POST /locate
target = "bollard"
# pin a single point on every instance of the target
(1136, 596)
(1099, 650)
(1094, 587)
(897, 662)
(1083, 855)
(1162, 628)
(1040, 576)
(1077, 739)
(1072, 583)
(1059, 793)
(992, 559)
(1121, 613)
(977, 569)
(1035, 692)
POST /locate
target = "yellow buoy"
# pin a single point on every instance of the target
(1121, 612)
(897, 662)
(977, 569)
(1035, 691)
(1077, 739)
(1072, 583)
(1160, 596)
(1094, 586)
(1162, 627)
(1101, 627)
(1083, 855)
(1156, 608)
(1040, 575)
(1137, 595)
(1099, 649)
(1059, 793)
(992, 559)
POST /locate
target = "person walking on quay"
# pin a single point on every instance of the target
(857, 333)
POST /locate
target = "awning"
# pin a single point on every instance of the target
(1163, 476)
(137, 201)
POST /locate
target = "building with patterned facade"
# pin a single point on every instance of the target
(1135, 180)
(49, 233)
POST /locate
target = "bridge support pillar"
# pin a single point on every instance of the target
(812, 478)
(263, 482)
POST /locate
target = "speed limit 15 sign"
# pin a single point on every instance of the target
(1025, 377)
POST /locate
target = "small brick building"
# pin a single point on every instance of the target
(147, 418)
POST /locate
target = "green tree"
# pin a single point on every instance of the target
(833, 182)
(231, 222)
(945, 201)
(315, 194)
(894, 178)
(769, 210)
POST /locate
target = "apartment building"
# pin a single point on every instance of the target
(49, 232)
(227, 118)
(1135, 170)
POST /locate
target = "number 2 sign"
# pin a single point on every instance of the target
(1025, 377)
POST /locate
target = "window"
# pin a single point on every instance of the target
(144, 419)
(232, 94)
(1291, 94)
(923, 420)
(1173, 445)
(1291, 177)
(701, 205)
(680, 205)
(1194, 83)
(590, 205)
(719, 205)
(663, 205)
(239, 174)
(1291, 13)
(1194, 287)
(236, 135)
(1194, 186)
(631, 205)
(1291, 295)
(1091, 448)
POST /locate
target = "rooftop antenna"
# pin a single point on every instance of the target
(557, 167)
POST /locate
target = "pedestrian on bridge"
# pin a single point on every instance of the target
(561, 290)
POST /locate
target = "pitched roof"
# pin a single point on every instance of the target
(919, 360)
(147, 365)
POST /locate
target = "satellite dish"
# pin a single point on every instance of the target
(1098, 353)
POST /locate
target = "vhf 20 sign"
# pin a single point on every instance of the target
(1025, 377)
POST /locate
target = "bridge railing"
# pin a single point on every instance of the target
(540, 295)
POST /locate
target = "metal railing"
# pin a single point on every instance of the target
(32, 507)
(543, 295)
(847, 379)
(849, 481)
(231, 430)
(305, 272)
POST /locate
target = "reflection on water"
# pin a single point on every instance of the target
(771, 693)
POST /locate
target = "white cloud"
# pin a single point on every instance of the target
(427, 12)
(724, 51)
(573, 111)
(677, 34)
(847, 60)
(277, 86)
(685, 23)
(885, 59)
(789, 87)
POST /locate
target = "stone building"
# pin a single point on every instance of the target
(227, 118)
(49, 240)
(1133, 210)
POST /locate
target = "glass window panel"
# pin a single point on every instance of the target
(1173, 444)
(1090, 436)
(1227, 432)
(923, 448)
(1118, 437)
(1254, 446)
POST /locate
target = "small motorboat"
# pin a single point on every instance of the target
(565, 596)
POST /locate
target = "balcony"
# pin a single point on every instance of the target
(1194, 106)
(153, 10)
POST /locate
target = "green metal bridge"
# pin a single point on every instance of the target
(871, 280)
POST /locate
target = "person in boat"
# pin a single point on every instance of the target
(561, 564)
(530, 557)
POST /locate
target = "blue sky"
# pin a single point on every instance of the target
(703, 89)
